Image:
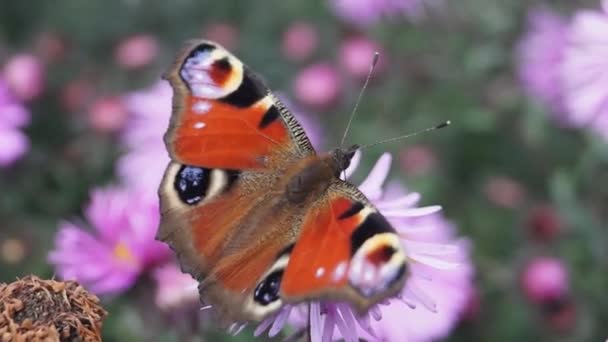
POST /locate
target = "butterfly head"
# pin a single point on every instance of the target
(342, 157)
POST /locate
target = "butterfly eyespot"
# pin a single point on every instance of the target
(191, 184)
(267, 290)
(223, 64)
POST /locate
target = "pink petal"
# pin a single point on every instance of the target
(372, 185)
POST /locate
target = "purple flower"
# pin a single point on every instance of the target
(318, 85)
(143, 165)
(120, 246)
(174, 288)
(585, 70)
(13, 116)
(434, 296)
(300, 41)
(25, 76)
(540, 53)
(367, 12)
(545, 279)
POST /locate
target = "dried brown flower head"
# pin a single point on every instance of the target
(32, 309)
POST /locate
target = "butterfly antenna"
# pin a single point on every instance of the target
(401, 137)
(352, 114)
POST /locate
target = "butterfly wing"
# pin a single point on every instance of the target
(223, 114)
(229, 140)
(346, 251)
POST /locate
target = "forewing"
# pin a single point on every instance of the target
(223, 114)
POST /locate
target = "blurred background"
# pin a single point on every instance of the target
(522, 172)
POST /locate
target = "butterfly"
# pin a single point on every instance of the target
(252, 211)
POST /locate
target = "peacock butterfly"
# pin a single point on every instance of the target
(252, 211)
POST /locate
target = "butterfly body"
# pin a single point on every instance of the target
(252, 211)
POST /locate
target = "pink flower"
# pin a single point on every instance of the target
(585, 71)
(136, 51)
(13, 116)
(434, 296)
(121, 245)
(318, 85)
(143, 165)
(367, 12)
(300, 41)
(223, 33)
(76, 93)
(545, 279)
(540, 54)
(418, 160)
(544, 223)
(174, 288)
(504, 191)
(50, 47)
(107, 114)
(24, 75)
(356, 56)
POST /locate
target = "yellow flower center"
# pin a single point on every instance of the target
(123, 253)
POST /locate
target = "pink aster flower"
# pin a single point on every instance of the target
(224, 33)
(107, 114)
(300, 41)
(120, 246)
(540, 54)
(143, 165)
(13, 116)
(585, 70)
(136, 51)
(24, 75)
(356, 54)
(545, 279)
(434, 297)
(318, 85)
(367, 12)
(174, 288)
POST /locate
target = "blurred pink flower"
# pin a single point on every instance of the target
(318, 85)
(145, 160)
(434, 296)
(223, 33)
(110, 258)
(417, 159)
(24, 74)
(356, 55)
(544, 223)
(367, 12)
(50, 47)
(107, 114)
(540, 54)
(585, 70)
(504, 191)
(13, 116)
(76, 93)
(136, 51)
(174, 289)
(300, 41)
(545, 279)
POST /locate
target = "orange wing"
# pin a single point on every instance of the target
(229, 140)
(223, 114)
(346, 251)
